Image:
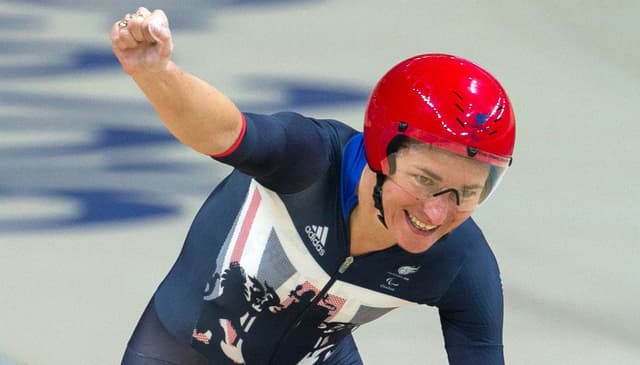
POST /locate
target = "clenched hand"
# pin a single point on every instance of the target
(142, 41)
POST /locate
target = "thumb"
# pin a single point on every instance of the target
(161, 34)
(158, 31)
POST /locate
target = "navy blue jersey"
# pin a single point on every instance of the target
(265, 275)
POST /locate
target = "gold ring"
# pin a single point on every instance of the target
(123, 23)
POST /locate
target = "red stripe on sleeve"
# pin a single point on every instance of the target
(235, 144)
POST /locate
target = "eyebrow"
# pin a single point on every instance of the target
(472, 187)
(430, 173)
(439, 178)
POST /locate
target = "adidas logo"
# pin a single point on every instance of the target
(318, 237)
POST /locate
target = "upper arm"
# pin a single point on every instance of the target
(285, 152)
(471, 314)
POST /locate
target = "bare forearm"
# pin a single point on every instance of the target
(195, 112)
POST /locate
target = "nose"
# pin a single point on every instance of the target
(437, 208)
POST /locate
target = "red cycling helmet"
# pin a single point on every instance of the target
(441, 100)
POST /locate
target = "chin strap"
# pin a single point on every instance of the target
(377, 197)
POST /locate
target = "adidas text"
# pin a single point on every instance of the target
(318, 237)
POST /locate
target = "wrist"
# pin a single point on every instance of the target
(165, 71)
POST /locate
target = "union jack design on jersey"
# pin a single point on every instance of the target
(261, 299)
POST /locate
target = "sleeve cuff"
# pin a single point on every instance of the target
(235, 144)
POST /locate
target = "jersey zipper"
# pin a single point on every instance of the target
(341, 270)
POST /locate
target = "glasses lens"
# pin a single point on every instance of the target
(427, 172)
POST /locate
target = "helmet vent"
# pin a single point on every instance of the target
(462, 124)
(460, 108)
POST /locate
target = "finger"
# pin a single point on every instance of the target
(120, 37)
(144, 28)
(135, 26)
(125, 38)
(115, 33)
(143, 11)
(162, 37)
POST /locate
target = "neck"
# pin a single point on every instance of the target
(367, 232)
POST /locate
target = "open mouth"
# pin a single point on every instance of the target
(419, 225)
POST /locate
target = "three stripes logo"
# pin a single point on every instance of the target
(318, 237)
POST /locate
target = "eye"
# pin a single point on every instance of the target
(424, 180)
(469, 193)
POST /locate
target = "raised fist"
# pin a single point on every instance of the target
(142, 41)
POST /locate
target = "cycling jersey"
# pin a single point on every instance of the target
(265, 275)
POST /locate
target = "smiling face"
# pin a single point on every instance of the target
(429, 192)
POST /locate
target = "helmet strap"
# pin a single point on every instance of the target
(377, 197)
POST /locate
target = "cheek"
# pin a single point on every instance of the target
(394, 204)
(393, 196)
(456, 219)
(395, 207)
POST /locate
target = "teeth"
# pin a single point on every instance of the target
(421, 226)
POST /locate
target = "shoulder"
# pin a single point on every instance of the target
(475, 244)
(332, 129)
(471, 310)
(297, 130)
(288, 151)
(289, 118)
(478, 278)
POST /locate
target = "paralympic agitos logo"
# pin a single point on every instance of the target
(394, 279)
